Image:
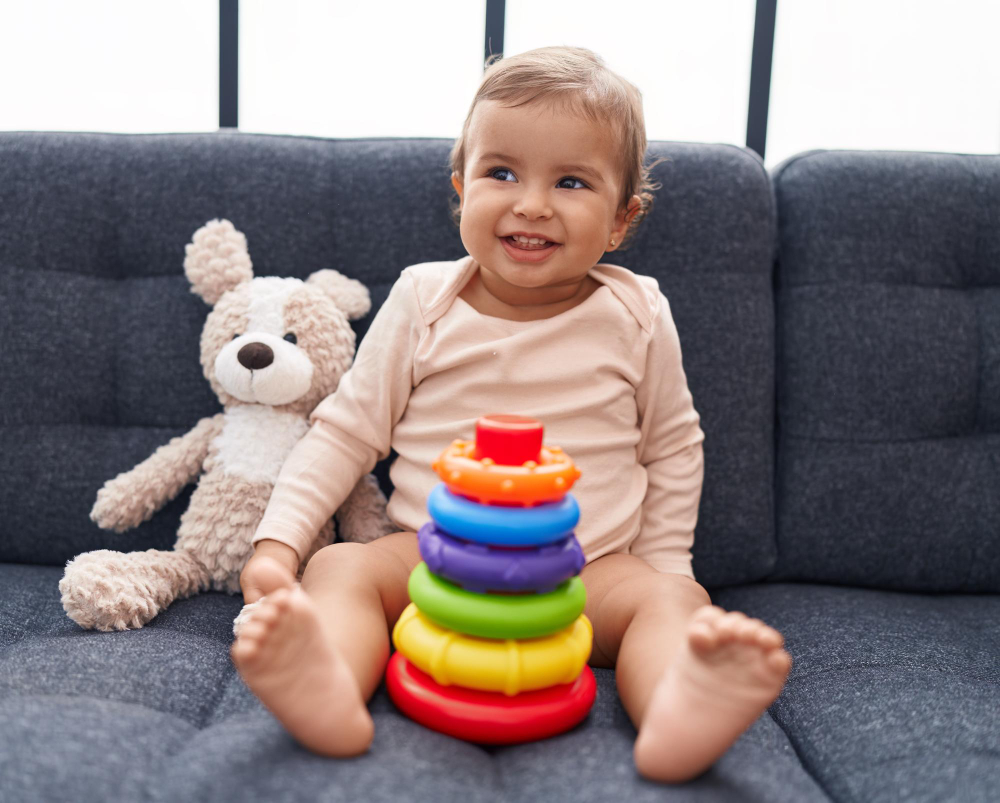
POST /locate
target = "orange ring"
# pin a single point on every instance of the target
(490, 483)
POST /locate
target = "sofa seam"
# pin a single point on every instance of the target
(772, 258)
(209, 718)
(779, 169)
(845, 282)
(806, 766)
(862, 667)
(855, 441)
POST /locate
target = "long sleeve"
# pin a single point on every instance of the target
(351, 429)
(670, 449)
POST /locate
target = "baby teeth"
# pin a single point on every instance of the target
(534, 245)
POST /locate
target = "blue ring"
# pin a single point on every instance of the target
(499, 525)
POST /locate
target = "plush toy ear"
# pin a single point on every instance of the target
(217, 260)
(349, 295)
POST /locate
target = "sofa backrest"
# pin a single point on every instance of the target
(888, 386)
(100, 364)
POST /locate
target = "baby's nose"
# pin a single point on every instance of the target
(255, 356)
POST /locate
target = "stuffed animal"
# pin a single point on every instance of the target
(272, 348)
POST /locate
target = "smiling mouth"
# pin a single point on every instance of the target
(528, 246)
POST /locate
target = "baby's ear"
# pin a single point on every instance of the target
(217, 260)
(350, 295)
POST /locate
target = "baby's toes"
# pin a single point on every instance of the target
(769, 638)
(780, 662)
(754, 631)
(264, 614)
(256, 631)
(729, 626)
(702, 637)
(246, 649)
(707, 613)
(278, 600)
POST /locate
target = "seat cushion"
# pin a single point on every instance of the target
(161, 714)
(892, 696)
(888, 386)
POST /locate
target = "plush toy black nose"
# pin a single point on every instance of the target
(255, 356)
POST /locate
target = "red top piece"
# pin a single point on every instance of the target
(509, 440)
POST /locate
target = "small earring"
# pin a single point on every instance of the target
(612, 243)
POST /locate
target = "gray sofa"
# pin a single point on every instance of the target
(840, 321)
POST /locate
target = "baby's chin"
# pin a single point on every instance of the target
(524, 277)
(534, 274)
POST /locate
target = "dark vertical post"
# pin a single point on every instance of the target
(760, 74)
(229, 63)
(494, 27)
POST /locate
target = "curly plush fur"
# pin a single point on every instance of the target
(272, 349)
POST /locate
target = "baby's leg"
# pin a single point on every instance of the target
(314, 655)
(691, 676)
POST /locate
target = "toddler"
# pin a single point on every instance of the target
(549, 176)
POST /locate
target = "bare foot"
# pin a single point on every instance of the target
(264, 576)
(727, 672)
(301, 678)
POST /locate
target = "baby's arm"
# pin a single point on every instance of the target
(351, 430)
(670, 448)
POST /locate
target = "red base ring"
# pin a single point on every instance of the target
(488, 717)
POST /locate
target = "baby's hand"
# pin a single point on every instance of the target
(272, 566)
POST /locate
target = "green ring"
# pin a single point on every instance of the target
(499, 616)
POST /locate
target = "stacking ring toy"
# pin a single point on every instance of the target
(497, 616)
(510, 666)
(505, 526)
(488, 717)
(509, 439)
(488, 482)
(477, 567)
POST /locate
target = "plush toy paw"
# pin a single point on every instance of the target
(115, 508)
(108, 590)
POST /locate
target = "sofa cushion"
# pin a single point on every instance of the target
(888, 305)
(100, 329)
(161, 714)
(892, 696)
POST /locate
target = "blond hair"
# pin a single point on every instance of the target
(579, 78)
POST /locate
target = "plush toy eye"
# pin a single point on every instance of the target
(291, 338)
(236, 335)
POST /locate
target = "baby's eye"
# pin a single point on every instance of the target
(496, 170)
(493, 174)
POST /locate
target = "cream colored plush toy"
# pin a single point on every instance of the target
(272, 349)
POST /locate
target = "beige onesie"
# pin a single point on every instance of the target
(605, 378)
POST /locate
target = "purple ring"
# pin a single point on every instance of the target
(481, 568)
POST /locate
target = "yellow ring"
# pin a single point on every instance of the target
(489, 482)
(510, 666)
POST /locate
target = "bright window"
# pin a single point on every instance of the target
(378, 69)
(690, 60)
(109, 65)
(892, 75)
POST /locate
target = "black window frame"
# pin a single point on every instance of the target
(760, 64)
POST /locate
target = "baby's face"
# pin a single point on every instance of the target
(539, 169)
